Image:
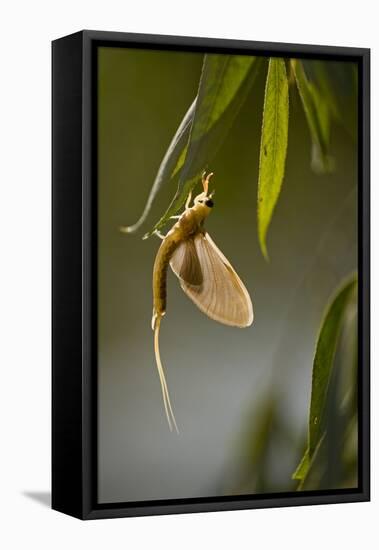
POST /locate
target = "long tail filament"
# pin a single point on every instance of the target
(166, 396)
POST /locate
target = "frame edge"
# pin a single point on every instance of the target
(67, 475)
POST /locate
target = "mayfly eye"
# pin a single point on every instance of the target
(209, 203)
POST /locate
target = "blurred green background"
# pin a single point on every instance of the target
(240, 396)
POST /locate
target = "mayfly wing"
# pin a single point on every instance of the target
(185, 263)
(221, 295)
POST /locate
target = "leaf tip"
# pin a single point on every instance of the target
(302, 468)
(126, 229)
(262, 239)
(265, 252)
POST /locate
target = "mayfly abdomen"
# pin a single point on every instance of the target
(161, 264)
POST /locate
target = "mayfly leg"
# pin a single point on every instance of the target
(188, 201)
(159, 234)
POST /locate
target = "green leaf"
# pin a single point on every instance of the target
(337, 83)
(317, 114)
(323, 366)
(320, 73)
(273, 146)
(170, 165)
(224, 85)
(303, 467)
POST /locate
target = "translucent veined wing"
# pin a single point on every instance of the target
(185, 263)
(221, 295)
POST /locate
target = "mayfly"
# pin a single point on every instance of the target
(204, 273)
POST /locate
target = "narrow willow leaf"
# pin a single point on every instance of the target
(224, 84)
(221, 83)
(307, 463)
(320, 73)
(273, 146)
(337, 84)
(170, 165)
(302, 469)
(323, 365)
(317, 114)
(253, 447)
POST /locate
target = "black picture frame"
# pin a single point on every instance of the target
(74, 273)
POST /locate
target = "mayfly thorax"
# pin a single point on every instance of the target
(204, 273)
